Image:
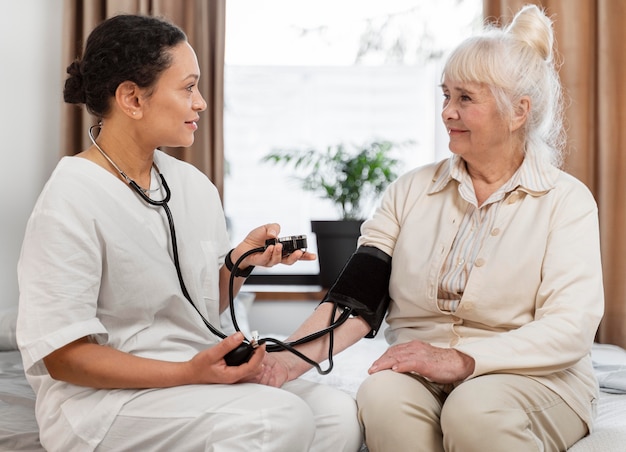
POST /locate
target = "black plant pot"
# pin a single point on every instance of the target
(336, 241)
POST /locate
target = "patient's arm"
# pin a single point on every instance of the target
(362, 288)
(280, 367)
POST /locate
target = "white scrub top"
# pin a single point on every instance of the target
(97, 261)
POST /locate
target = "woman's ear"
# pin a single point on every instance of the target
(127, 97)
(520, 113)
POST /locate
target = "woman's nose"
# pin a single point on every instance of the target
(449, 111)
(199, 104)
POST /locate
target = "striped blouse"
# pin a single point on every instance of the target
(477, 223)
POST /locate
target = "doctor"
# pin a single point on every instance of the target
(114, 298)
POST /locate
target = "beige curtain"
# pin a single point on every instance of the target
(590, 38)
(204, 23)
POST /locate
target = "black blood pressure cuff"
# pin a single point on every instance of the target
(363, 286)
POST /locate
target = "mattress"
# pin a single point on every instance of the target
(19, 432)
(18, 427)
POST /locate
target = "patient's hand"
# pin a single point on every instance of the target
(441, 365)
(274, 371)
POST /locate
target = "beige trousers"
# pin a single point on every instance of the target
(490, 413)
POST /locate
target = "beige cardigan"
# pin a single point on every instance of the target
(534, 297)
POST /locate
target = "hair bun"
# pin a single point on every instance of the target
(532, 26)
(74, 91)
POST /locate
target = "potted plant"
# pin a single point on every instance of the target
(351, 177)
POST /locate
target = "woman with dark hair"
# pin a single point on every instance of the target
(116, 303)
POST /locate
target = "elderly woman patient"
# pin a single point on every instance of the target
(495, 282)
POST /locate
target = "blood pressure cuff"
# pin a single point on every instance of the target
(363, 286)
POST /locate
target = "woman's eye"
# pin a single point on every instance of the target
(190, 88)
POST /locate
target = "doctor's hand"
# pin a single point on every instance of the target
(272, 254)
(440, 365)
(209, 366)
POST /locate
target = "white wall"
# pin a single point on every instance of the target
(31, 79)
(279, 317)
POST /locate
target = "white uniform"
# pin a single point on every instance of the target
(97, 261)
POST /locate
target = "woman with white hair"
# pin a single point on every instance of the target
(495, 281)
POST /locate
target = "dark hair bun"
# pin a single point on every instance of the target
(74, 91)
(125, 47)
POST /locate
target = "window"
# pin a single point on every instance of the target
(314, 73)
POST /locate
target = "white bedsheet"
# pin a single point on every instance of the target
(18, 427)
(610, 426)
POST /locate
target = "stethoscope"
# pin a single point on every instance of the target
(245, 350)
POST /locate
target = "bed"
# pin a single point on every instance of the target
(19, 432)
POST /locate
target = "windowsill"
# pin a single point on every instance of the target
(285, 292)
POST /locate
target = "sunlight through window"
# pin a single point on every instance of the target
(313, 74)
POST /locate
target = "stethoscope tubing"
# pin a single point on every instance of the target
(277, 344)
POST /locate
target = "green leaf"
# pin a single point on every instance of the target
(348, 177)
